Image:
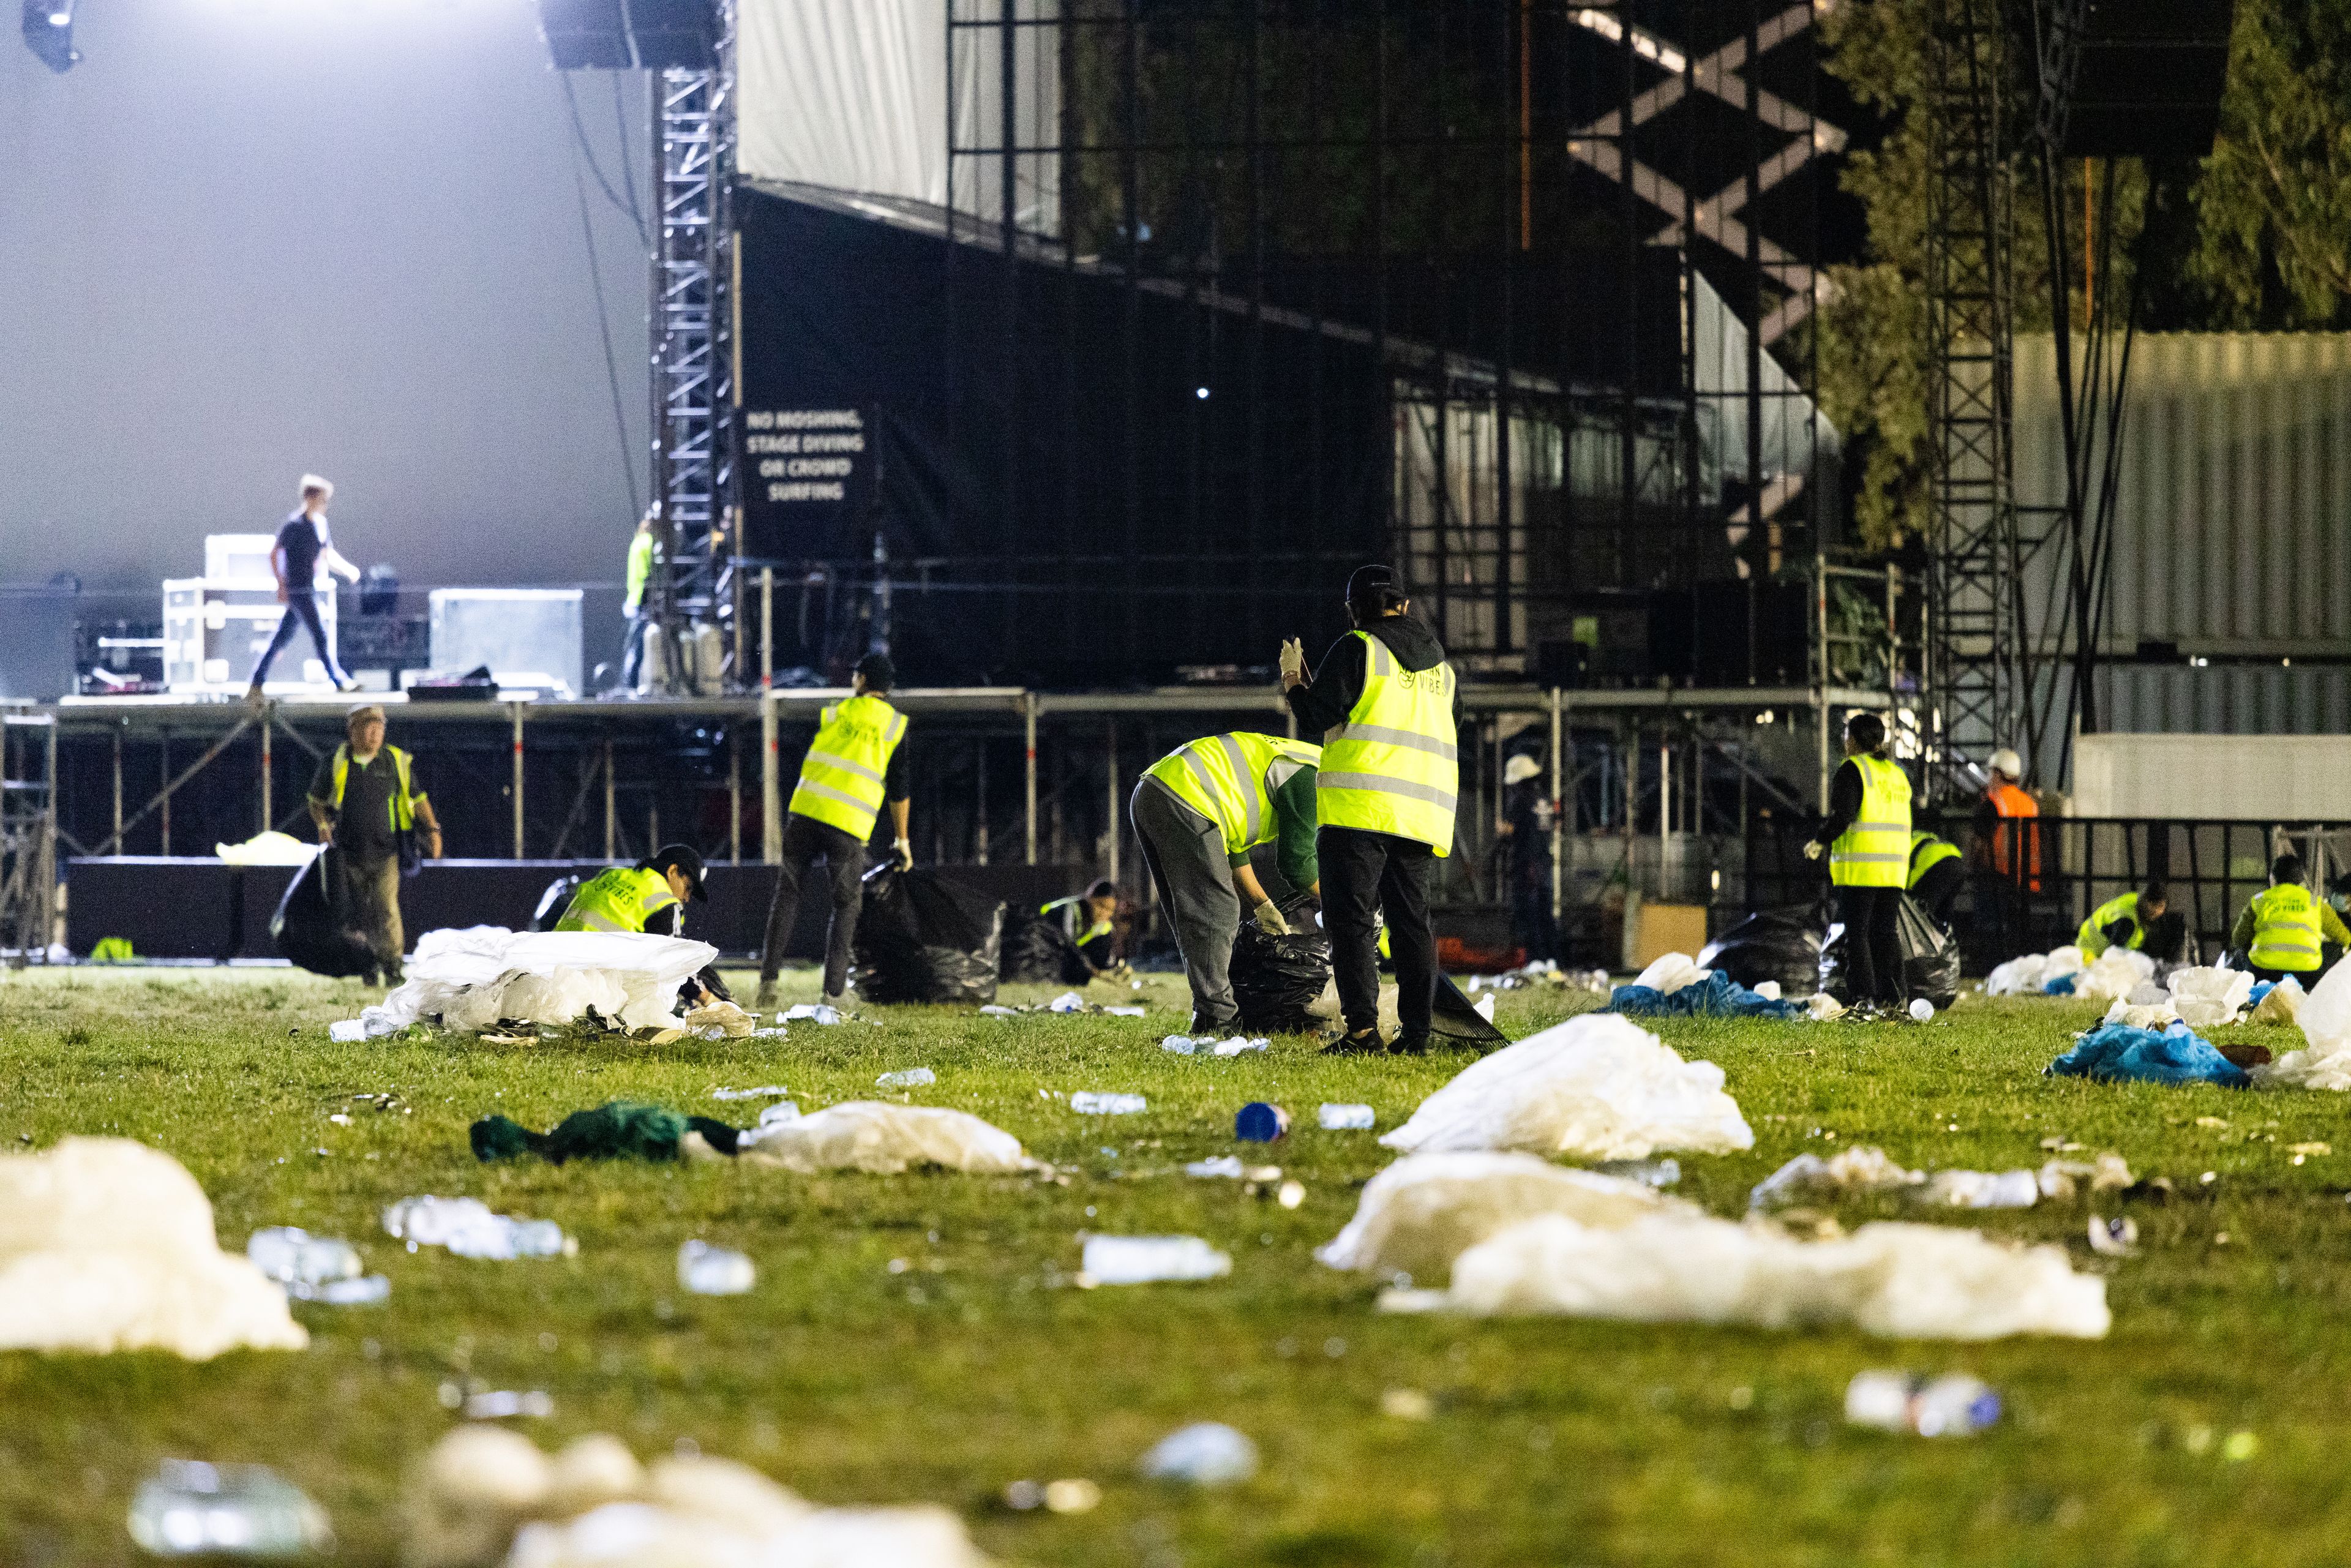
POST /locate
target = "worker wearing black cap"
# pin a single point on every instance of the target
(649, 896)
(853, 768)
(1388, 708)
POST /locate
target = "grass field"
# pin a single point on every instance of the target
(853, 1376)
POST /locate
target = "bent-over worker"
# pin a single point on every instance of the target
(365, 803)
(2283, 931)
(1935, 875)
(1198, 811)
(1389, 708)
(853, 768)
(1089, 920)
(1867, 840)
(2141, 921)
(649, 896)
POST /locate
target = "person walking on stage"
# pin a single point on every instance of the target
(1867, 841)
(304, 545)
(1387, 706)
(641, 549)
(365, 803)
(1198, 811)
(851, 769)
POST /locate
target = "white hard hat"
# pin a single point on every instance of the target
(1520, 768)
(2006, 760)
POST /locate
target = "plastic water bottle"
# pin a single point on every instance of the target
(912, 1078)
(294, 1257)
(1346, 1118)
(1259, 1123)
(1648, 1173)
(708, 1270)
(1181, 1044)
(1141, 1259)
(1205, 1454)
(188, 1507)
(1087, 1103)
(1239, 1043)
(1953, 1405)
(778, 1115)
(466, 1227)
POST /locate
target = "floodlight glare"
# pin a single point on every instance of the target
(48, 33)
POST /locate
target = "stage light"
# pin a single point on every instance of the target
(48, 33)
(1201, 393)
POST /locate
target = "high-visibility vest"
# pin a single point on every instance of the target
(2285, 929)
(1391, 766)
(2011, 801)
(640, 567)
(620, 899)
(404, 798)
(1875, 851)
(2092, 938)
(1063, 912)
(1225, 777)
(840, 777)
(1928, 852)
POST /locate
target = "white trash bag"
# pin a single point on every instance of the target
(468, 979)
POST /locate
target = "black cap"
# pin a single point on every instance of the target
(1102, 888)
(1373, 590)
(684, 857)
(879, 674)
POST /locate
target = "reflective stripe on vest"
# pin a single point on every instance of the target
(1928, 852)
(2285, 929)
(1225, 779)
(403, 804)
(620, 899)
(1875, 850)
(1391, 766)
(841, 778)
(2092, 938)
(1064, 913)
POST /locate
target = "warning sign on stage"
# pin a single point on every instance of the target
(807, 479)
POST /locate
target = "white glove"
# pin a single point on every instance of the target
(1294, 663)
(906, 853)
(1269, 919)
(1813, 851)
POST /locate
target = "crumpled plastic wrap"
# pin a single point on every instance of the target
(468, 979)
(2325, 1019)
(1859, 1168)
(882, 1139)
(2207, 997)
(108, 1245)
(1671, 973)
(1597, 1087)
(2283, 1003)
(484, 1495)
(1424, 1211)
(2113, 976)
(2029, 976)
(1900, 1281)
(2156, 1016)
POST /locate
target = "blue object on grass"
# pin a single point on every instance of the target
(2117, 1053)
(2062, 985)
(1716, 997)
(2261, 988)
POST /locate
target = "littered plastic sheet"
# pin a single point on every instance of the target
(882, 1139)
(1424, 1211)
(466, 981)
(2325, 1019)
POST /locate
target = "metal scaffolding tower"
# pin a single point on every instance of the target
(1976, 656)
(28, 835)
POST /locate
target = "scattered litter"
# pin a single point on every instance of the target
(1485, 1006)
(315, 1267)
(1859, 1168)
(708, 1270)
(1337, 1118)
(1710, 995)
(1189, 1045)
(1597, 1087)
(1258, 1123)
(1659, 1174)
(1236, 1045)
(1669, 974)
(1142, 1259)
(2114, 975)
(1421, 1213)
(1952, 1405)
(486, 1494)
(616, 1130)
(271, 848)
(911, 1078)
(1768, 989)
(998, 1010)
(108, 1245)
(1406, 1404)
(2114, 1053)
(1127, 1010)
(2114, 1237)
(347, 1031)
(467, 980)
(1076, 1495)
(765, 1091)
(2325, 1019)
(882, 1139)
(1546, 973)
(730, 1020)
(2209, 998)
(1219, 1166)
(1291, 1194)
(2310, 1148)
(2278, 1004)
(822, 1013)
(2059, 1180)
(1205, 1454)
(782, 1111)
(466, 1227)
(1067, 1002)
(191, 1509)
(1981, 1189)
(2030, 975)
(1087, 1103)
(502, 1403)
(2158, 1016)
(1921, 1010)
(1902, 1281)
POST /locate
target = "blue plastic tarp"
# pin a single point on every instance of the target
(2117, 1053)
(2062, 985)
(1716, 997)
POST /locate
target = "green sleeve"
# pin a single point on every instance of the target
(2331, 926)
(1294, 845)
(2240, 937)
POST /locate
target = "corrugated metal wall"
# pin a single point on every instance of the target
(2233, 526)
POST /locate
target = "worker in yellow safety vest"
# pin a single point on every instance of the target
(1867, 841)
(852, 769)
(364, 801)
(1089, 920)
(2286, 931)
(1935, 875)
(1199, 812)
(1387, 706)
(649, 896)
(643, 547)
(2123, 922)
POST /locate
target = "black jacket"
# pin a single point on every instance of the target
(1325, 701)
(1845, 802)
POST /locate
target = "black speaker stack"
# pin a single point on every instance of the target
(2135, 79)
(623, 35)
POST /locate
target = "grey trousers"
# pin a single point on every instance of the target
(1185, 853)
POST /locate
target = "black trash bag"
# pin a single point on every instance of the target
(1037, 951)
(1455, 1016)
(1275, 978)
(311, 926)
(1782, 944)
(554, 902)
(1930, 960)
(924, 939)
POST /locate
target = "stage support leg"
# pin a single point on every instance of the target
(1559, 808)
(118, 789)
(612, 829)
(517, 709)
(267, 725)
(1110, 799)
(771, 795)
(1029, 725)
(735, 795)
(767, 627)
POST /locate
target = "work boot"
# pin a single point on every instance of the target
(1409, 1045)
(1363, 1042)
(1203, 1029)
